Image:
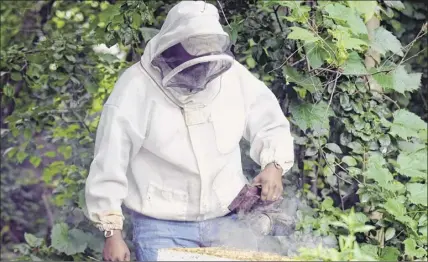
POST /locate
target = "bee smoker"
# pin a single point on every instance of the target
(265, 217)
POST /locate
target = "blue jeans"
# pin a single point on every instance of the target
(150, 234)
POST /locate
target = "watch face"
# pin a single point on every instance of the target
(108, 233)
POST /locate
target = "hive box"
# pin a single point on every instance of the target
(216, 254)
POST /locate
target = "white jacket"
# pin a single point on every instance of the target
(178, 158)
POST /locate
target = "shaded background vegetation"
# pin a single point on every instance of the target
(354, 92)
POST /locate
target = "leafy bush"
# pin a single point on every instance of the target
(344, 83)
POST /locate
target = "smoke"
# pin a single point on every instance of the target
(249, 231)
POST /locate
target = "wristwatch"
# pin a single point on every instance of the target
(277, 166)
(108, 233)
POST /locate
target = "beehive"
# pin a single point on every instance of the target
(216, 254)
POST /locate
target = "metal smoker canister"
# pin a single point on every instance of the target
(275, 224)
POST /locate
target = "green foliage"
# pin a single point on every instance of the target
(68, 241)
(350, 140)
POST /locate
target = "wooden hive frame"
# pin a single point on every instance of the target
(217, 254)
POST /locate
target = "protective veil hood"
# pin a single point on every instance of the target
(190, 49)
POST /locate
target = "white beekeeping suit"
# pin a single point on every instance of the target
(167, 144)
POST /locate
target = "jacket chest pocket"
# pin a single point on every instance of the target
(163, 127)
(228, 117)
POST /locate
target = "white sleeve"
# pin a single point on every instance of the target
(267, 129)
(107, 184)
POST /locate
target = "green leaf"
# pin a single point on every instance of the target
(370, 250)
(9, 90)
(251, 63)
(385, 140)
(35, 160)
(349, 160)
(316, 54)
(389, 233)
(68, 241)
(413, 164)
(299, 13)
(148, 33)
(366, 8)
(377, 172)
(327, 204)
(356, 24)
(407, 125)
(403, 81)
(334, 148)
(71, 58)
(384, 41)
(16, 76)
(330, 178)
(395, 207)
(50, 154)
(35, 258)
(411, 250)
(32, 240)
(354, 65)
(312, 116)
(338, 224)
(397, 4)
(410, 147)
(136, 20)
(310, 83)
(351, 43)
(389, 254)
(364, 229)
(21, 156)
(96, 243)
(418, 193)
(299, 33)
(385, 80)
(66, 151)
(52, 170)
(328, 170)
(356, 147)
(340, 12)
(423, 220)
(330, 158)
(337, 11)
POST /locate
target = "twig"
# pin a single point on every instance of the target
(312, 25)
(48, 210)
(295, 63)
(315, 180)
(332, 93)
(419, 35)
(275, 10)
(423, 99)
(224, 15)
(324, 69)
(334, 172)
(81, 120)
(414, 55)
(288, 58)
(340, 195)
(391, 100)
(410, 45)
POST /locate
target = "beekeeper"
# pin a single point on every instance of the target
(167, 144)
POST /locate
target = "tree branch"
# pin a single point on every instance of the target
(275, 10)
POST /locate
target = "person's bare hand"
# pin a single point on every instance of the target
(115, 248)
(270, 179)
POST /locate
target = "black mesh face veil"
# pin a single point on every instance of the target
(189, 65)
